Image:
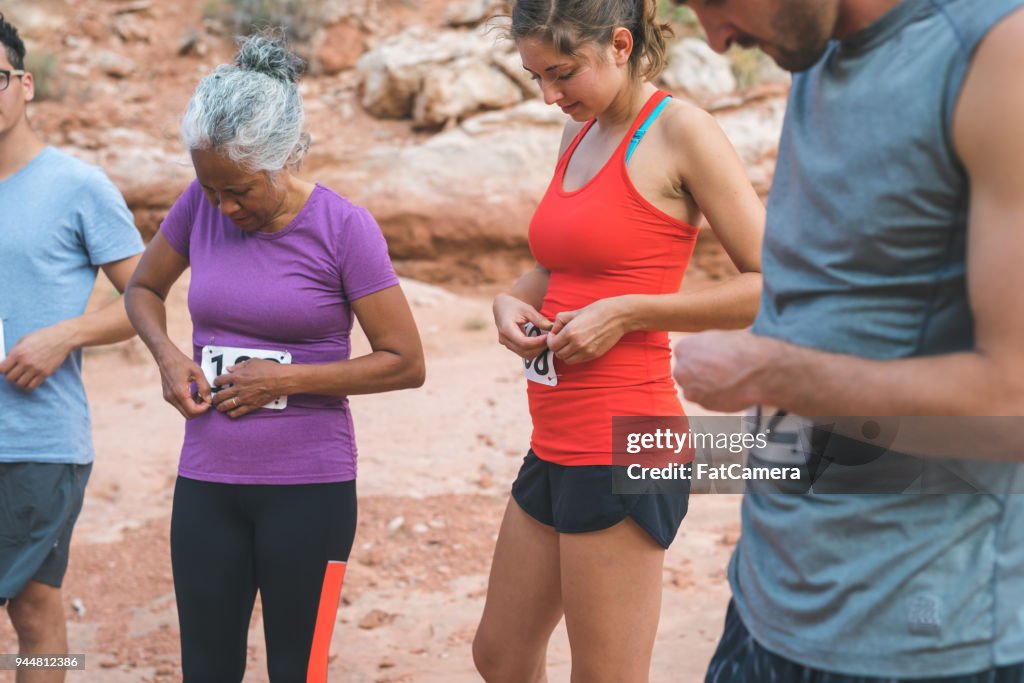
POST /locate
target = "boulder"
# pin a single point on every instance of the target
(392, 74)
(149, 177)
(770, 72)
(512, 65)
(458, 205)
(341, 46)
(37, 19)
(473, 12)
(697, 70)
(754, 131)
(461, 88)
(112, 63)
(130, 28)
(334, 11)
(192, 43)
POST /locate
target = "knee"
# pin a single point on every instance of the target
(499, 662)
(36, 619)
(480, 653)
(486, 658)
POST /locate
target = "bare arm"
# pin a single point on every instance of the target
(531, 286)
(395, 362)
(147, 291)
(160, 268)
(38, 354)
(109, 324)
(714, 175)
(988, 380)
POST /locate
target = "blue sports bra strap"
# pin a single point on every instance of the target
(642, 130)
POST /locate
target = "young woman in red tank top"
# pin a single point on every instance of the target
(612, 238)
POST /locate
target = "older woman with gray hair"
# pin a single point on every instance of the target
(265, 497)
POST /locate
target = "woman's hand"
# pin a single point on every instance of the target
(247, 386)
(510, 315)
(177, 373)
(589, 332)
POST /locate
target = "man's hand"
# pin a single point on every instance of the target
(37, 355)
(724, 371)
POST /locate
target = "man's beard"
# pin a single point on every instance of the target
(803, 33)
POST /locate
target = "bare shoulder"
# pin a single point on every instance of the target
(998, 56)
(990, 103)
(699, 145)
(687, 125)
(1009, 31)
(572, 128)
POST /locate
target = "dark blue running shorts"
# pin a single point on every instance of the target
(579, 499)
(39, 504)
(741, 659)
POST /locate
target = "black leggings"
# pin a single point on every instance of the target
(230, 540)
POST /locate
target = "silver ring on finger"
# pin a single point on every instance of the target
(234, 400)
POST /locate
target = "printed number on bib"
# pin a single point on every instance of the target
(217, 360)
(542, 368)
(786, 436)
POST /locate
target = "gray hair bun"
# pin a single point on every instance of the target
(251, 111)
(267, 53)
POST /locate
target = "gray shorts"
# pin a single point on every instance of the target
(39, 503)
(741, 659)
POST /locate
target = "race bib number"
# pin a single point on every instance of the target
(786, 436)
(217, 360)
(542, 368)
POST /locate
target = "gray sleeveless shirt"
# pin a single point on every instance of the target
(865, 254)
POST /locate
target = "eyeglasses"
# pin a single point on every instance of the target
(5, 77)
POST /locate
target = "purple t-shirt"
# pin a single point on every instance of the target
(288, 291)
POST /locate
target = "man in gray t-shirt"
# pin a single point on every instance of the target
(893, 286)
(60, 220)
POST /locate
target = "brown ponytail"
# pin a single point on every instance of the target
(650, 38)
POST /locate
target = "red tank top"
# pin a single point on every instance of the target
(600, 241)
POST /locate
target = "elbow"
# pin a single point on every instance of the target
(756, 285)
(751, 299)
(128, 299)
(999, 383)
(419, 374)
(414, 374)
(400, 369)
(132, 293)
(1014, 404)
(130, 290)
(132, 306)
